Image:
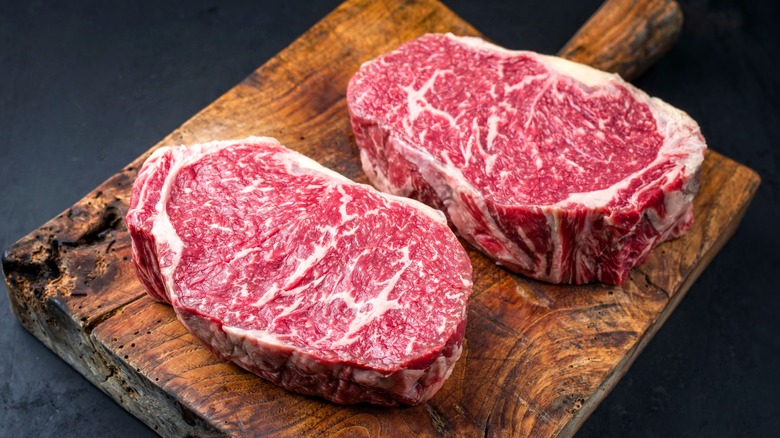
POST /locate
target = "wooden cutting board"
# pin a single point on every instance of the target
(538, 358)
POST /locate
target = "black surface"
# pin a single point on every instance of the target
(85, 88)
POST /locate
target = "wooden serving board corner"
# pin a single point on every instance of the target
(538, 358)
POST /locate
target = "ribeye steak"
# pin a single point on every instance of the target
(316, 283)
(554, 169)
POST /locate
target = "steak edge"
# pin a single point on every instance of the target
(318, 284)
(553, 169)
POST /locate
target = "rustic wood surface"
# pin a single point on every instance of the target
(626, 36)
(538, 358)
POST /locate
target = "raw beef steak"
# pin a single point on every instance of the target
(554, 169)
(316, 283)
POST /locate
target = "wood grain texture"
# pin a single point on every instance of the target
(626, 36)
(537, 359)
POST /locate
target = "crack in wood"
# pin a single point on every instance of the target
(649, 282)
(438, 421)
(95, 321)
(486, 431)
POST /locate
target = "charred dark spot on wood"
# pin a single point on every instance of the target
(109, 221)
(615, 339)
(38, 293)
(32, 263)
(577, 405)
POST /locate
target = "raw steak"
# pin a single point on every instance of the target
(316, 283)
(554, 169)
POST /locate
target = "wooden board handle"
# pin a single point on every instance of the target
(626, 36)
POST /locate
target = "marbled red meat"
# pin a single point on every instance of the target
(555, 170)
(316, 283)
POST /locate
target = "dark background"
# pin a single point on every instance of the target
(86, 88)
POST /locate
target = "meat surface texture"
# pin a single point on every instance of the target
(553, 169)
(321, 285)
